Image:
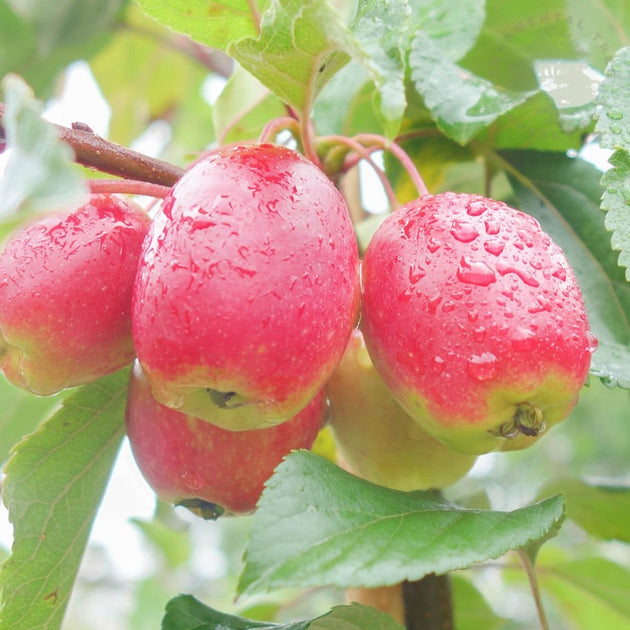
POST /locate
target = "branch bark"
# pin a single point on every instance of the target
(428, 604)
(108, 157)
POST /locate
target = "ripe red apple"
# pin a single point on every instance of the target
(65, 294)
(248, 288)
(191, 462)
(475, 320)
(376, 438)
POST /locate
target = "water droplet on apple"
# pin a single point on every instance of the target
(416, 273)
(464, 232)
(482, 367)
(433, 244)
(475, 272)
(494, 246)
(479, 333)
(438, 364)
(592, 342)
(475, 208)
(492, 227)
(524, 275)
(560, 273)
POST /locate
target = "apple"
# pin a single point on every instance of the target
(475, 320)
(210, 470)
(376, 438)
(66, 281)
(248, 288)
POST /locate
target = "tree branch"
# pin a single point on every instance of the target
(108, 157)
(428, 604)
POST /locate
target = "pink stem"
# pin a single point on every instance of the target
(127, 187)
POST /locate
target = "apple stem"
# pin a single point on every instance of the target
(128, 187)
(363, 153)
(400, 154)
(428, 603)
(275, 126)
(533, 582)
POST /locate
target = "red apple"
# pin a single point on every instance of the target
(248, 288)
(376, 438)
(65, 294)
(475, 320)
(191, 462)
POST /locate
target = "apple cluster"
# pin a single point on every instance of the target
(238, 303)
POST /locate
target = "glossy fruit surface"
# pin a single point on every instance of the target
(65, 294)
(248, 288)
(194, 463)
(475, 320)
(376, 438)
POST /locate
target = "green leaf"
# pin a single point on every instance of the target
(355, 617)
(592, 593)
(377, 29)
(601, 510)
(298, 51)
(471, 611)
(614, 126)
(614, 103)
(316, 524)
(39, 175)
(616, 204)
(461, 103)
(143, 77)
(213, 23)
(244, 107)
(187, 613)
(563, 194)
(442, 22)
(66, 21)
(21, 413)
(44, 37)
(54, 483)
(514, 36)
(533, 125)
(598, 29)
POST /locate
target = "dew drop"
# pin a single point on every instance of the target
(492, 227)
(494, 246)
(479, 333)
(560, 273)
(448, 306)
(475, 208)
(475, 272)
(416, 273)
(433, 245)
(482, 367)
(464, 232)
(526, 237)
(592, 342)
(433, 303)
(525, 276)
(614, 114)
(438, 364)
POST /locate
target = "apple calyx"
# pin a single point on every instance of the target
(527, 420)
(205, 509)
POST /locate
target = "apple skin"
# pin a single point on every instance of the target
(376, 438)
(191, 462)
(248, 288)
(475, 321)
(66, 281)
